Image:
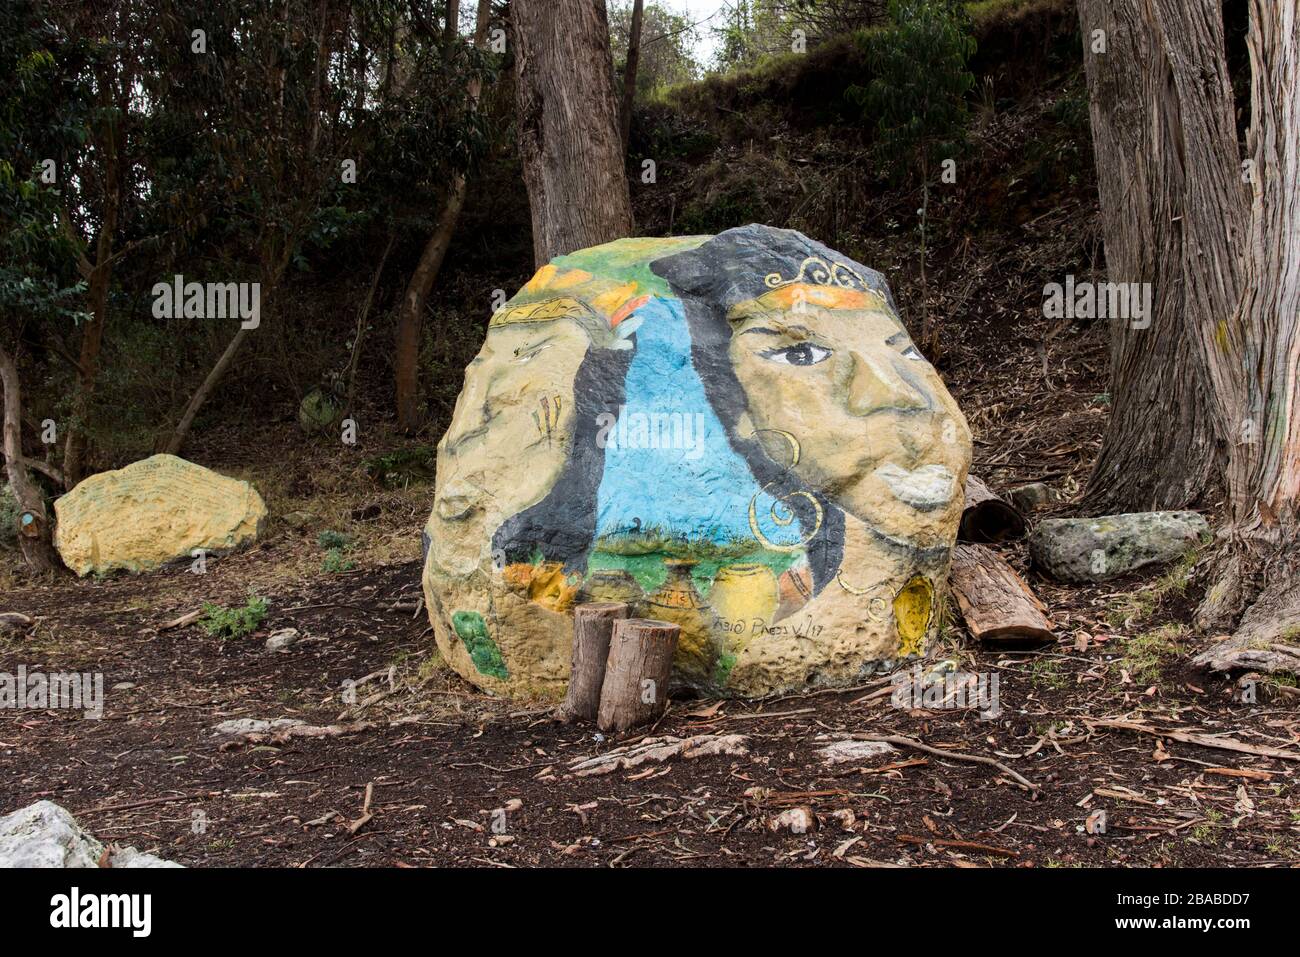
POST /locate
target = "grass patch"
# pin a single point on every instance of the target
(1050, 673)
(1145, 654)
(1143, 603)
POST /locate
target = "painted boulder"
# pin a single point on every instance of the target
(733, 433)
(158, 510)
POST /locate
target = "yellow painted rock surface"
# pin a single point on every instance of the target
(151, 512)
(734, 433)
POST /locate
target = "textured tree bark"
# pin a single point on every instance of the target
(629, 73)
(636, 676)
(410, 315)
(34, 529)
(568, 126)
(1172, 209)
(1253, 352)
(593, 625)
(995, 602)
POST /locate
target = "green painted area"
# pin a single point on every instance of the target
(483, 651)
(649, 572)
(629, 260)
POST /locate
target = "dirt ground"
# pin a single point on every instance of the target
(456, 777)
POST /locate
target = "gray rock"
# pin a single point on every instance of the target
(45, 835)
(848, 750)
(129, 857)
(1098, 549)
(13, 623)
(254, 725)
(281, 640)
(1031, 496)
(297, 520)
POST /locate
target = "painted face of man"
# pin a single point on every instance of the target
(832, 373)
(509, 437)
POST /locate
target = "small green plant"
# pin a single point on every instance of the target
(221, 622)
(336, 545)
(332, 539)
(337, 560)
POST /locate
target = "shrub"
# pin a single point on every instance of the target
(221, 622)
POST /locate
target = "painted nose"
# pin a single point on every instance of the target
(472, 413)
(874, 385)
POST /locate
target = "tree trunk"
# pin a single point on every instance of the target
(629, 73)
(1253, 352)
(355, 360)
(636, 676)
(452, 29)
(34, 528)
(1172, 210)
(410, 315)
(568, 126)
(593, 625)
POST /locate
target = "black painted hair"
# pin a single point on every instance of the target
(562, 526)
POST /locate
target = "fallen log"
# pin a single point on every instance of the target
(988, 518)
(593, 624)
(636, 674)
(1203, 740)
(995, 602)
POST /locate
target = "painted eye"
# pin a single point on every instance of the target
(911, 353)
(804, 354)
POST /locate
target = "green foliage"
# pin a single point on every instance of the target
(920, 81)
(332, 539)
(337, 560)
(337, 546)
(668, 41)
(8, 517)
(403, 467)
(221, 622)
(1145, 654)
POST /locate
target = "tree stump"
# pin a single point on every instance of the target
(986, 517)
(995, 602)
(593, 624)
(636, 675)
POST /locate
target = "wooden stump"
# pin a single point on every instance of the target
(593, 624)
(995, 602)
(986, 517)
(636, 676)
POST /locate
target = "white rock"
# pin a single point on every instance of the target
(45, 835)
(129, 857)
(281, 640)
(254, 725)
(844, 752)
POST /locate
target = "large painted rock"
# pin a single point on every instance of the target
(154, 511)
(733, 433)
